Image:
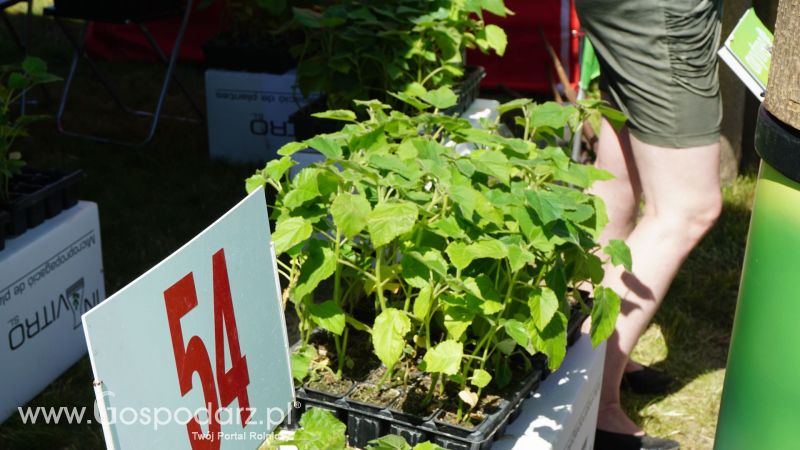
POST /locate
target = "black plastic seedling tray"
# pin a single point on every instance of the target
(367, 422)
(36, 196)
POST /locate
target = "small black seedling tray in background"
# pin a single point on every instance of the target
(36, 196)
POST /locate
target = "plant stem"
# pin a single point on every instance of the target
(429, 396)
(378, 282)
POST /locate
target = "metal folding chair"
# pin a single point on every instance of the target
(79, 46)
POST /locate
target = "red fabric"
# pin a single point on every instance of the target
(116, 42)
(525, 65)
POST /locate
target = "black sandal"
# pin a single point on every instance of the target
(607, 440)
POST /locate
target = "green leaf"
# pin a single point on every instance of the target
(550, 114)
(493, 163)
(444, 358)
(615, 117)
(388, 335)
(496, 7)
(496, 38)
(518, 257)
(34, 65)
(507, 346)
(320, 430)
(350, 213)
(301, 362)
(427, 445)
(305, 187)
(604, 314)
(420, 269)
(552, 341)
(389, 220)
(458, 317)
(389, 442)
(441, 98)
(278, 167)
(320, 265)
(290, 232)
(620, 254)
(329, 148)
(291, 148)
(480, 378)
(17, 81)
(308, 17)
(516, 330)
(548, 206)
(328, 315)
(461, 255)
(448, 227)
(254, 182)
(337, 114)
(543, 304)
(423, 302)
(518, 103)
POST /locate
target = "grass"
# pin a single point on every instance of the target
(153, 200)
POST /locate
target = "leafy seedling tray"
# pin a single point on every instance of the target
(306, 126)
(366, 422)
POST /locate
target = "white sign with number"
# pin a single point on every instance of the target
(194, 353)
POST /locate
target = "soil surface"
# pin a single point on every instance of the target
(414, 401)
(374, 395)
(329, 384)
(488, 405)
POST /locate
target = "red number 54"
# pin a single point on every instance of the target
(193, 357)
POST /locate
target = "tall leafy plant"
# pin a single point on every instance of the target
(464, 260)
(15, 81)
(357, 49)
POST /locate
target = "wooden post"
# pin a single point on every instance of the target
(783, 90)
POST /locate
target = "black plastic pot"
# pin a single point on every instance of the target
(306, 126)
(38, 195)
(264, 57)
(118, 10)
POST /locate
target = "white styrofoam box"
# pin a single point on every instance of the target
(248, 113)
(562, 414)
(49, 276)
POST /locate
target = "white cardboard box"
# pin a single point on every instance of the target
(49, 276)
(562, 415)
(248, 114)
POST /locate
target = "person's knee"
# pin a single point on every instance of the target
(691, 220)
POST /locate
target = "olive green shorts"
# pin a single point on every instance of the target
(658, 62)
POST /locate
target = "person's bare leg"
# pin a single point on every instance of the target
(682, 201)
(623, 193)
